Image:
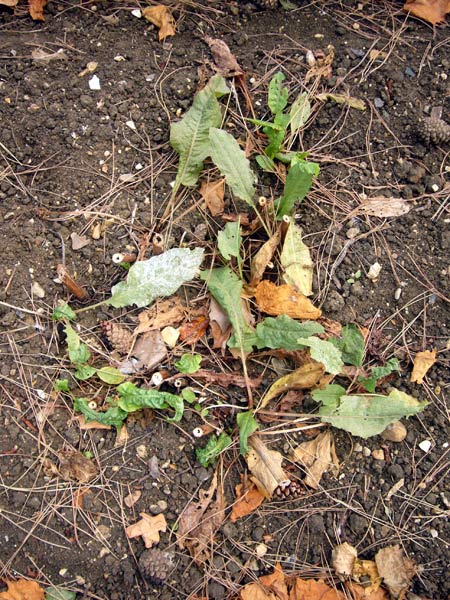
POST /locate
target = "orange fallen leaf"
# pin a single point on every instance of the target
(212, 193)
(22, 590)
(313, 589)
(10, 3)
(247, 501)
(36, 8)
(422, 363)
(132, 498)
(358, 592)
(192, 331)
(268, 587)
(91, 424)
(160, 16)
(433, 11)
(284, 300)
(148, 527)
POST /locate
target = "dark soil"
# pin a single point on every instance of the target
(63, 150)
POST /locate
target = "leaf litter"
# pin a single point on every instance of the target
(148, 527)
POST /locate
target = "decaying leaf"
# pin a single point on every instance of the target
(396, 570)
(268, 587)
(303, 378)
(364, 570)
(312, 589)
(213, 194)
(383, 207)
(263, 257)
(160, 16)
(248, 499)
(422, 363)
(149, 351)
(359, 592)
(219, 323)
(22, 590)
(10, 3)
(433, 11)
(160, 315)
(74, 466)
(283, 300)
(36, 8)
(265, 466)
(296, 261)
(79, 241)
(42, 57)
(317, 456)
(322, 64)
(200, 520)
(148, 528)
(226, 379)
(91, 424)
(343, 99)
(226, 63)
(343, 559)
(132, 498)
(192, 331)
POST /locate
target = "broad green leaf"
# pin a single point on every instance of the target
(298, 183)
(61, 385)
(158, 276)
(296, 260)
(378, 373)
(265, 163)
(114, 416)
(188, 363)
(63, 311)
(324, 352)
(84, 372)
(351, 345)
(207, 456)
(190, 136)
(226, 288)
(283, 332)
(365, 415)
(78, 352)
(276, 135)
(233, 164)
(247, 425)
(278, 95)
(269, 124)
(54, 593)
(188, 395)
(229, 240)
(299, 113)
(132, 398)
(307, 166)
(330, 395)
(110, 375)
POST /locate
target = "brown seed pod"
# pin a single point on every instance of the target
(291, 491)
(156, 565)
(118, 336)
(433, 130)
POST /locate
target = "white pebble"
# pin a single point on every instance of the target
(374, 271)
(131, 125)
(37, 290)
(435, 187)
(137, 13)
(94, 83)
(425, 445)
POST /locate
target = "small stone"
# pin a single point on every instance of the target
(357, 447)
(366, 451)
(261, 550)
(141, 451)
(352, 232)
(162, 505)
(94, 83)
(378, 454)
(37, 290)
(425, 445)
(395, 432)
(379, 103)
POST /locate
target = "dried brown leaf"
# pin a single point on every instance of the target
(343, 559)
(359, 592)
(322, 66)
(225, 61)
(149, 350)
(161, 16)
(22, 590)
(74, 466)
(91, 424)
(247, 500)
(396, 570)
(313, 589)
(161, 314)
(132, 498)
(283, 300)
(199, 522)
(148, 527)
(303, 378)
(317, 456)
(10, 3)
(36, 8)
(265, 466)
(367, 569)
(343, 99)
(433, 11)
(79, 241)
(226, 379)
(268, 587)
(192, 331)
(383, 207)
(422, 363)
(213, 194)
(220, 325)
(263, 257)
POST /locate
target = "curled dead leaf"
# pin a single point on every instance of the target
(36, 9)
(283, 300)
(248, 498)
(265, 466)
(383, 207)
(422, 363)
(396, 570)
(313, 589)
(367, 569)
(226, 63)
(192, 331)
(161, 314)
(148, 528)
(22, 590)
(263, 257)
(317, 456)
(161, 16)
(132, 498)
(433, 11)
(343, 559)
(303, 378)
(268, 587)
(213, 194)
(74, 466)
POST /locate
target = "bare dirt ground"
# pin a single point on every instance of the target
(66, 155)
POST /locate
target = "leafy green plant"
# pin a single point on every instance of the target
(188, 363)
(247, 425)
(378, 373)
(208, 455)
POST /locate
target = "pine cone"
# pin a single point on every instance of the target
(155, 565)
(434, 131)
(118, 336)
(292, 490)
(267, 3)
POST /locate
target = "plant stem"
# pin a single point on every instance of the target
(85, 308)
